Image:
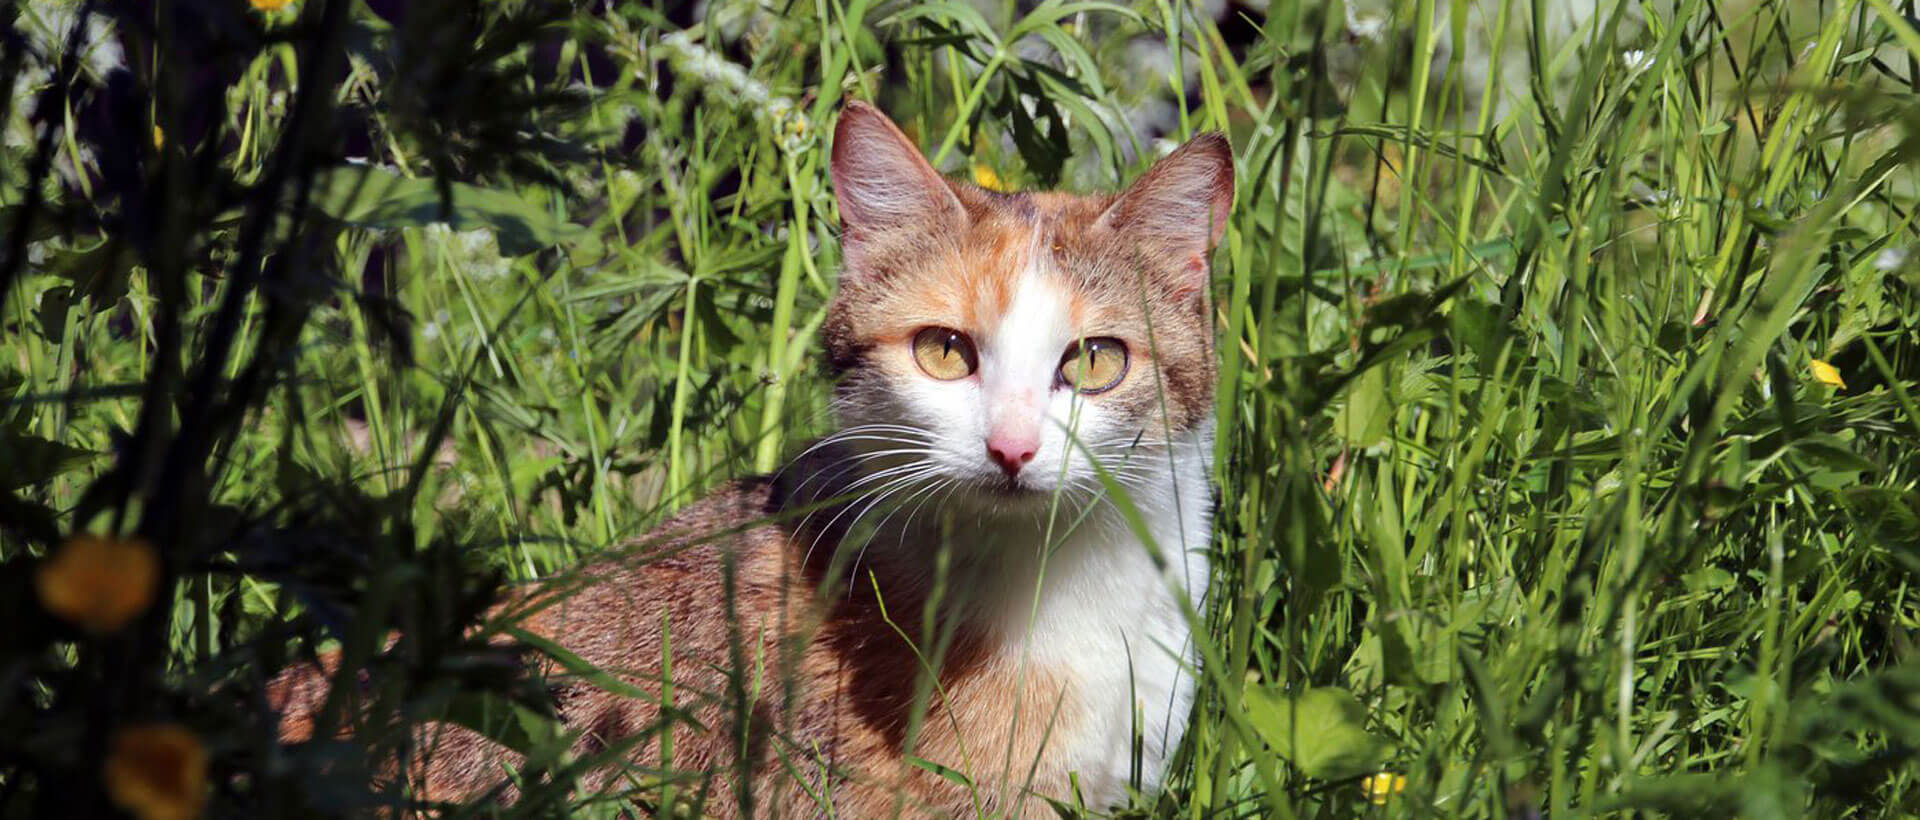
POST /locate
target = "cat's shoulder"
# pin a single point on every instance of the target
(738, 520)
(686, 560)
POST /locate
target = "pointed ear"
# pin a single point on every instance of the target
(882, 182)
(1180, 206)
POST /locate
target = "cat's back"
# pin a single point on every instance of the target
(690, 578)
(670, 610)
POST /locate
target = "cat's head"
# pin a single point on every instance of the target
(1000, 341)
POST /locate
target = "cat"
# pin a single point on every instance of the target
(942, 609)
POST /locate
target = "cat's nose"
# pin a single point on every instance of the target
(1012, 452)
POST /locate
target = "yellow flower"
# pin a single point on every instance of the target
(1826, 374)
(159, 137)
(99, 583)
(157, 772)
(1383, 786)
(984, 177)
(270, 5)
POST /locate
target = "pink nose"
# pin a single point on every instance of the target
(1011, 452)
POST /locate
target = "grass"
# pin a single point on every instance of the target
(1532, 487)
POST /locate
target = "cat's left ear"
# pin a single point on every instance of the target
(1180, 206)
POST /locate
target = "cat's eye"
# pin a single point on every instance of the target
(944, 353)
(1094, 365)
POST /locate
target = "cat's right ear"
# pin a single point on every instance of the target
(883, 184)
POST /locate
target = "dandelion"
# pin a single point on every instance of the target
(99, 583)
(1383, 787)
(984, 177)
(159, 138)
(1826, 374)
(157, 772)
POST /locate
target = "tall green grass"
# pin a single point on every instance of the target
(1533, 490)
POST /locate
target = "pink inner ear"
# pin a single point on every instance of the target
(881, 180)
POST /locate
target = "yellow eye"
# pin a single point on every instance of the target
(1094, 365)
(944, 353)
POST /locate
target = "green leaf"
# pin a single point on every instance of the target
(945, 773)
(99, 272)
(31, 460)
(1479, 327)
(585, 670)
(55, 304)
(1368, 414)
(1832, 452)
(1685, 795)
(1320, 731)
(1888, 516)
(501, 720)
(378, 198)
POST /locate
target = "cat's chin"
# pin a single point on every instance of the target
(1000, 496)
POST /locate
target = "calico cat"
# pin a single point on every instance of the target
(939, 610)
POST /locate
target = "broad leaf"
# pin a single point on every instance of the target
(1320, 731)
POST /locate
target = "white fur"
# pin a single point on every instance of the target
(1114, 617)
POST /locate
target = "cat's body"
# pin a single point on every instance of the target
(901, 600)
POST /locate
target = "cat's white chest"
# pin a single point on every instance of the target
(1123, 642)
(1114, 623)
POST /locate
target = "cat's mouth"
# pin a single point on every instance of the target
(1009, 487)
(1015, 490)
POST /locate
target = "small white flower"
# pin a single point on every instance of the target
(476, 251)
(1636, 60)
(431, 330)
(1891, 259)
(1367, 27)
(49, 25)
(731, 81)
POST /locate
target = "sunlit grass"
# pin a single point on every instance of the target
(1567, 405)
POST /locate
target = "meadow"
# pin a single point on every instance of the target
(1569, 361)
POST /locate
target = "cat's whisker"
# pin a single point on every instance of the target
(873, 498)
(883, 480)
(881, 475)
(924, 493)
(907, 527)
(880, 526)
(861, 432)
(889, 472)
(855, 462)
